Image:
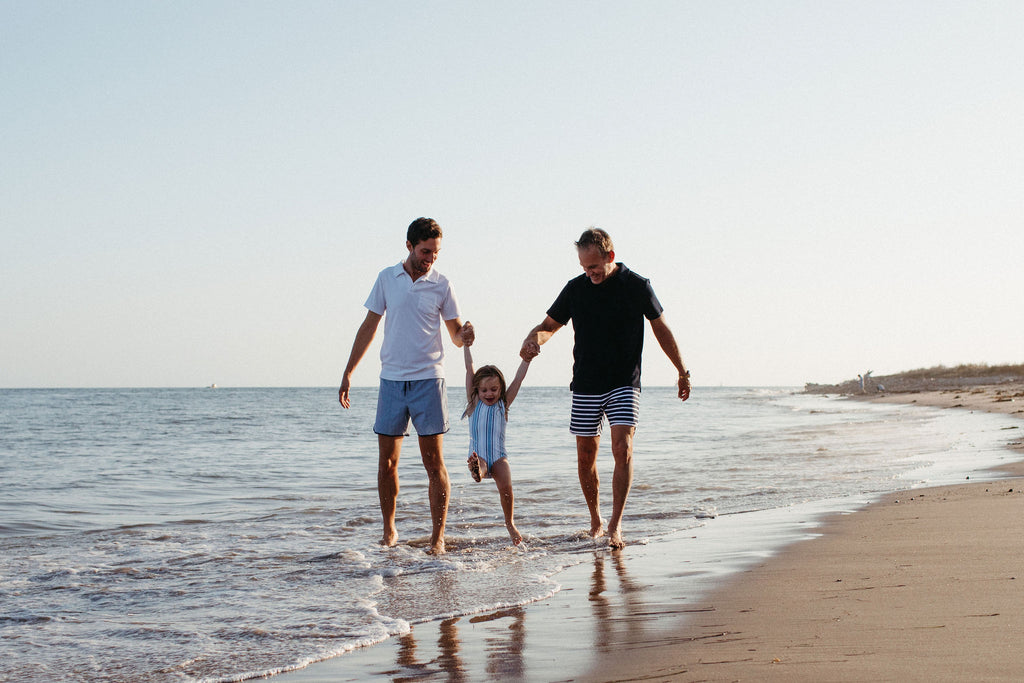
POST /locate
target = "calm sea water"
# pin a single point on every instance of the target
(199, 534)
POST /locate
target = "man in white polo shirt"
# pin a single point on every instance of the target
(416, 299)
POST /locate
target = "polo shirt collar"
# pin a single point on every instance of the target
(399, 270)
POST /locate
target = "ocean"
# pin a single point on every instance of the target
(225, 534)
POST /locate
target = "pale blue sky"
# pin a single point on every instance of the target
(197, 192)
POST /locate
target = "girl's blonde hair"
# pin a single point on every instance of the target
(478, 377)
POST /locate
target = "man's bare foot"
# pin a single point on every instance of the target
(390, 538)
(513, 533)
(596, 528)
(437, 548)
(615, 541)
(474, 466)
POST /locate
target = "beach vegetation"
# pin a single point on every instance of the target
(924, 379)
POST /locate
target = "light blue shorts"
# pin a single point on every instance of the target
(620, 406)
(422, 402)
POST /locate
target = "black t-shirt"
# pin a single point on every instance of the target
(608, 321)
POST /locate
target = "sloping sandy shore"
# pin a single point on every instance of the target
(923, 585)
(997, 398)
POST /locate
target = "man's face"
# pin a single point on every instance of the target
(597, 267)
(423, 255)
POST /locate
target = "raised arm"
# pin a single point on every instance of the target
(467, 332)
(512, 390)
(537, 336)
(364, 336)
(667, 341)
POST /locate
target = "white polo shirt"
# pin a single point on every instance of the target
(413, 346)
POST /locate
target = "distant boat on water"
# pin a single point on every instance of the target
(212, 386)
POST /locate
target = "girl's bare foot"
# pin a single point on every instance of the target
(437, 548)
(596, 528)
(474, 466)
(615, 541)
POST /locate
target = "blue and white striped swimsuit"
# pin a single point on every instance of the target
(487, 431)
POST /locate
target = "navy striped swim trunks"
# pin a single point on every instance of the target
(620, 406)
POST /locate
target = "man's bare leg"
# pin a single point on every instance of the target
(622, 481)
(439, 486)
(390, 448)
(586, 463)
(502, 473)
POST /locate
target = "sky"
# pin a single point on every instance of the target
(203, 192)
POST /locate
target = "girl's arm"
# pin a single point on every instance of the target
(468, 355)
(513, 389)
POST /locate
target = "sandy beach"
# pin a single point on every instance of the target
(925, 584)
(922, 585)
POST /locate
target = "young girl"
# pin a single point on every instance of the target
(488, 400)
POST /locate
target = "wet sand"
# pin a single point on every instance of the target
(922, 585)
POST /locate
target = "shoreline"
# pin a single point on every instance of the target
(924, 584)
(822, 608)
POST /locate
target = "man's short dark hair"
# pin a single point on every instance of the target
(422, 229)
(596, 237)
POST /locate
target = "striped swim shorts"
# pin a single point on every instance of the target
(620, 406)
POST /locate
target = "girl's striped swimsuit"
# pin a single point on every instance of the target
(487, 431)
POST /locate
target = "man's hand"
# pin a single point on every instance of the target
(684, 386)
(343, 393)
(537, 336)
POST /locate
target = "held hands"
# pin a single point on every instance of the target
(467, 334)
(530, 350)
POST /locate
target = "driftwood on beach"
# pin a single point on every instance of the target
(925, 379)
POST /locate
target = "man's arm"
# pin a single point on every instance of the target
(667, 341)
(364, 336)
(455, 331)
(537, 336)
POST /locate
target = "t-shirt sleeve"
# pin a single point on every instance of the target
(651, 306)
(450, 304)
(376, 301)
(560, 311)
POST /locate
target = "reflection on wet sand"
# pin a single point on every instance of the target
(619, 615)
(608, 603)
(503, 648)
(446, 662)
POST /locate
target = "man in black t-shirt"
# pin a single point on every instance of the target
(607, 306)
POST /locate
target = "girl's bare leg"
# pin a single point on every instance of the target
(502, 474)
